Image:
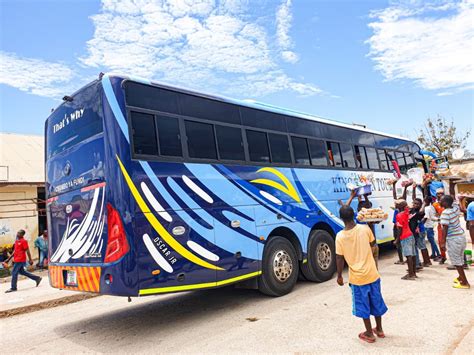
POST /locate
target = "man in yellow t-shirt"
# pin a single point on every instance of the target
(354, 245)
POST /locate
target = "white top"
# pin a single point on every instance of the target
(431, 216)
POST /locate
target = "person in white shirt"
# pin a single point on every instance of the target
(429, 221)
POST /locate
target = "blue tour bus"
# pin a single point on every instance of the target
(154, 189)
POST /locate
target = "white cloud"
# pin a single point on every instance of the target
(429, 43)
(203, 44)
(35, 76)
(283, 22)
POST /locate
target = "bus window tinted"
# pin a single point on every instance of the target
(258, 146)
(410, 161)
(144, 133)
(372, 158)
(401, 162)
(317, 150)
(383, 159)
(200, 107)
(280, 148)
(201, 141)
(168, 136)
(229, 141)
(334, 154)
(347, 156)
(152, 98)
(300, 150)
(361, 159)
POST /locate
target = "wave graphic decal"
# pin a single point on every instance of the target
(155, 254)
(287, 187)
(197, 190)
(328, 213)
(202, 251)
(158, 227)
(84, 237)
(155, 204)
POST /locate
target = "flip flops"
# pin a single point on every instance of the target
(365, 338)
(463, 287)
(408, 277)
(379, 334)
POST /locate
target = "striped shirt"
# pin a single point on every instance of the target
(450, 217)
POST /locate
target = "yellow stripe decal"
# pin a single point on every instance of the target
(288, 189)
(150, 291)
(379, 241)
(168, 238)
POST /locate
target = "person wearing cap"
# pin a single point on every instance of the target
(42, 244)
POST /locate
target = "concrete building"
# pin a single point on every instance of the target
(22, 191)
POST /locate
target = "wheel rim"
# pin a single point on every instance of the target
(324, 256)
(282, 265)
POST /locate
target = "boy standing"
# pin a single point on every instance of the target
(19, 258)
(354, 245)
(453, 237)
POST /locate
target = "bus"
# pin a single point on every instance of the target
(153, 189)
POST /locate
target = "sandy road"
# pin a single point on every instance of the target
(425, 316)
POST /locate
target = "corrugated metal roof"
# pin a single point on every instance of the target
(21, 158)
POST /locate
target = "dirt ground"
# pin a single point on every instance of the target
(425, 316)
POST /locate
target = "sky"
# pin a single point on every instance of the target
(386, 64)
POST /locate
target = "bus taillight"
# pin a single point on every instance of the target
(117, 244)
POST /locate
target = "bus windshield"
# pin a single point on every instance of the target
(74, 121)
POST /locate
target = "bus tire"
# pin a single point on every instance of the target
(321, 262)
(279, 267)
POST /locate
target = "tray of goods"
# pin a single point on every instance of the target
(371, 215)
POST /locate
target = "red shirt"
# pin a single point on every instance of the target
(19, 254)
(403, 223)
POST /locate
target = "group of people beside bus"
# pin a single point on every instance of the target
(412, 223)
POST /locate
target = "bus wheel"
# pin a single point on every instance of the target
(321, 263)
(279, 266)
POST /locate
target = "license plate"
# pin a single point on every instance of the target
(71, 278)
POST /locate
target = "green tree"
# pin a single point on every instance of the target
(441, 137)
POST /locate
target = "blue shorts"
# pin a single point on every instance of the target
(367, 300)
(408, 246)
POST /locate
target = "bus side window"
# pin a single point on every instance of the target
(347, 155)
(168, 136)
(144, 133)
(383, 159)
(258, 146)
(334, 154)
(201, 141)
(361, 159)
(410, 161)
(229, 142)
(279, 148)
(317, 150)
(300, 150)
(372, 158)
(401, 162)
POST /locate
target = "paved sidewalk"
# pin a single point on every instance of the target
(30, 298)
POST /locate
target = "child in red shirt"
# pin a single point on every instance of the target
(20, 252)
(406, 239)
